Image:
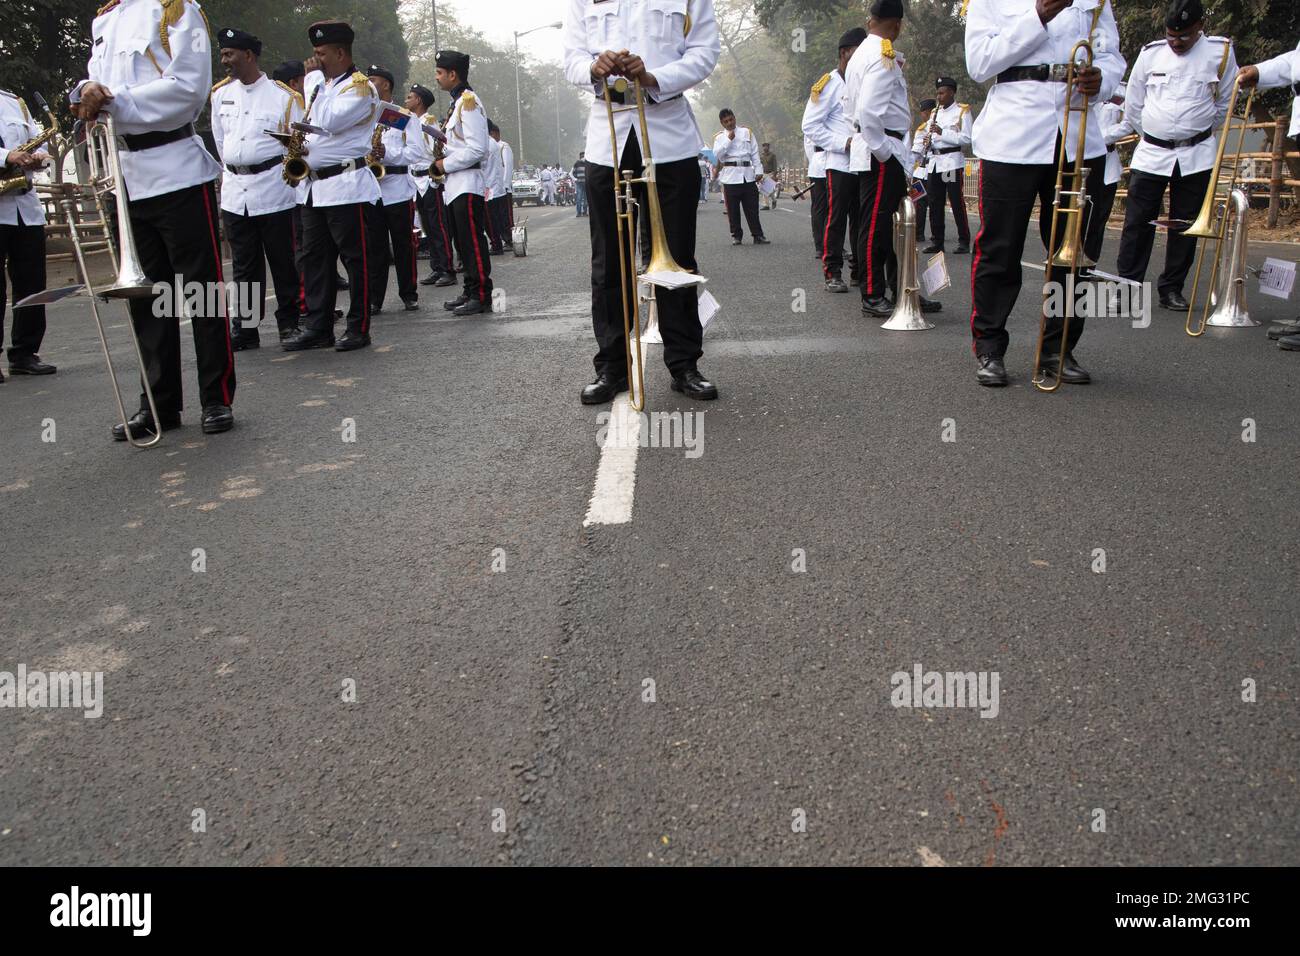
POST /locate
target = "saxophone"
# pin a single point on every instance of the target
(14, 179)
(373, 162)
(295, 167)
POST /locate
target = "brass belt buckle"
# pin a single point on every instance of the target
(1056, 72)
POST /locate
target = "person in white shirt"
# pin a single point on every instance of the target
(492, 191)
(1103, 182)
(922, 162)
(706, 173)
(816, 194)
(950, 129)
(395, 240)
(433, 212)
(22, 238)
(1177, 98)
(1021, 46)
(340, 194)
(499, 204)
(548, 185)
(829, 127)
(151, 71)
(464, 165)
(667, 51)
(256, 203)
(739, 167)
(1282, 70)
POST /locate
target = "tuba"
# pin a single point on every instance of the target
(13, 179)
(907, 315)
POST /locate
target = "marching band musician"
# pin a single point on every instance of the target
(1282, 70)
(507, 205)
(829, 127)
(396, 220)
(950, 127)
(1178, 96)
(499, 204)
(22, 239)
(922, 163)
(151, 70)
(1103, 182)
(491, 189)
(257, 205)
(817, 194)
(739, 168)
(433, 215)
(464, 164)
(1021, 47)
(668, 48)
(338, 190)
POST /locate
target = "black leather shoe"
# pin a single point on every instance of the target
(933, 247)
(217, 418)
(1289, 343)
(304, 339)
(1174, 301)
(376, 309)
(410, 305)
(961, 249)
(694, 385)
(930, 305)
(498, 251)
(991, 371)
(455, 303)
(472, 307)
(1072, 373)
(836, 285)
(243, 340)
(286, 334)
(1275, 331)
(29, 365)
(877, 306)
(735, 241)
(142, 425)
(431, 278)
(762, 241)
(444, 280)
(350, 341)
(603, 389)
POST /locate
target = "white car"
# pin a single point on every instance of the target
(527, 189)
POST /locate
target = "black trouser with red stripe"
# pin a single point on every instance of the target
(176, 235)
(1008, 192)
(22, 252)
(880, 190)
(842, 210)
(469, 218)
(817, 195)
(937, 187)
(433, 217)
(397, 245)
(742, 196)
(499, 212)
(255, 241)
(678, 309)
(330, 233)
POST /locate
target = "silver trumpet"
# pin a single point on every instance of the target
(1228, 299)
(907, 315)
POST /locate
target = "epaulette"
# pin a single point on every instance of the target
(172, 11)
(220, 83)
(292, 92)
(965, 5)
(819, 86)
(22, 104)
(468, 100)
(965, 108)
(360, 83)
(1227, 49)
(106, 7)
(887, 49)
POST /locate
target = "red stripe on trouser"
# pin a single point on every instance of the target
(410, 233)
(365, 272)
(826, 232)
(478, 256)
(871, 233)
(216, 252)
(975, 262)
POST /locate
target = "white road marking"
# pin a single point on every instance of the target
(611, 498)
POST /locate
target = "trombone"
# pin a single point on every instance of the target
(626, 209)
(1231, 309)
(1067, 220)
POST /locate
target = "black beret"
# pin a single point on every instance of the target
(943, 81)
(1183, 13)
(381, 72)
(927, 105)
(288, 70)
(887, 9)
(232, 39)
(424, 93)
(325, 32)
(453, 60)
(854, 37)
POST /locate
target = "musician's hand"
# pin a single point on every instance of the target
(379, 151)
(1248, 76)
(311, 63)
(438, 165)
(24, 160)
(1048, 9)
(93, 98)
(634, 68)
(1087, 80)
(607, 64)
(936, 128)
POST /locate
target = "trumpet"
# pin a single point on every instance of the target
(13, 179)
(1067, 220)
(295, 167)
(626, 210)
(1216, 220)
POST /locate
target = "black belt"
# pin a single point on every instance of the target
(256, 167)
(395, 170)
(338, 169)
(1200, 137)
(621, 98)
(138, 141)
(1042, 73)
(420, 172)
(746, 165)
(946, 150)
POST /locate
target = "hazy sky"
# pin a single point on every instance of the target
(499, 19)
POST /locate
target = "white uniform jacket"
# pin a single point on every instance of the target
(877, 96)
(467, 147)
(397, 188)
(956, 123)
(346, 108)
(739, 151)
(826, 121)
(1284, 70)
(240, 116)
(16, 128)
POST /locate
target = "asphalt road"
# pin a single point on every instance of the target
(523, 690)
